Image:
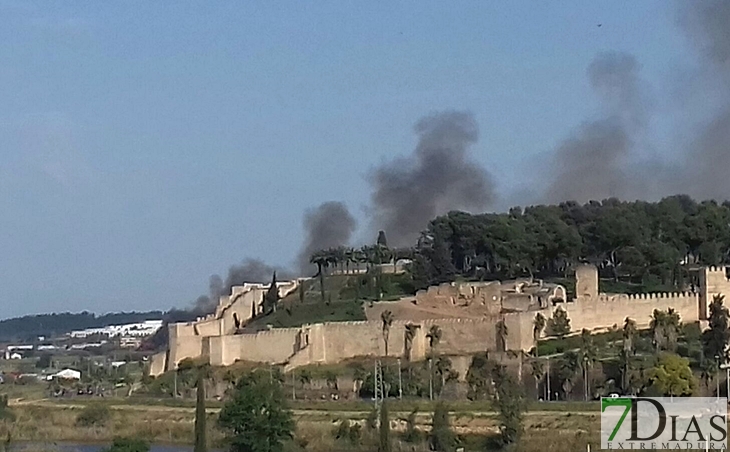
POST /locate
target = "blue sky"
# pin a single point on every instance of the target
(147, 145)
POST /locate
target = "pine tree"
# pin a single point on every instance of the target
(384, 444)
(559, 324)
(443, 265)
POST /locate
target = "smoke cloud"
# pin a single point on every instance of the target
(438, 177)
(594, 162)
(250, 271)
(606, 156)
(603, 158)
(328, 226)
(708, 154)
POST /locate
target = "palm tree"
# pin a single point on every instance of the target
(332, 258)
(359, 256)
(538, 373)
(358, 376)
(569, 366)
(443, 368)
(538, 325)
(368, 256)
(708, 370)
(674, 326)
(305, 378)
(588, 355)
(340, 255)
(387, 318)
(502, 333)
(349, 258)
(629, 335)
(204, 372)
(628, 349)
(410, 333)
(320, 258)
(434, 337)
(331, 379)
(665, 328)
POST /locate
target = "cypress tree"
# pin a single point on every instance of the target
(200, 433)
(384, 442)
(382, 241)
(442, 438)
(271, 299)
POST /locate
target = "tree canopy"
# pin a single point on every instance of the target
(256, 417)
(715, 339)
(632, 241)
(672, 375)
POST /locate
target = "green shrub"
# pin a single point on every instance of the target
(93, 416)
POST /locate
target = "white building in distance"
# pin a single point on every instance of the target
(142, 329)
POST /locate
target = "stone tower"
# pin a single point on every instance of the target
(713, 281)
(586, 282)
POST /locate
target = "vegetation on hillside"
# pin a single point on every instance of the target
(638, 242)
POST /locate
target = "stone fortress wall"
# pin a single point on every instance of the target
(591, 309)
(467, 314)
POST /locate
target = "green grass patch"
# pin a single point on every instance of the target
(312, 312)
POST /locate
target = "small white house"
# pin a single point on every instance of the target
(66, 374)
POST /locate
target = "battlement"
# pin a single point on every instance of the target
(713, 271)
(271, 332)
(662, 295)
(473, 308)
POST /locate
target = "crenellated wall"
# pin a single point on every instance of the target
(336, 341)
(474, 309)
(612, 309)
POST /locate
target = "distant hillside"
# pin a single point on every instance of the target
(32, 326)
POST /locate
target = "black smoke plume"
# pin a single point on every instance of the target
(328, 226)
(595, 162)
(707, 156)
(604, 157)
(438, 177)
(249, 271)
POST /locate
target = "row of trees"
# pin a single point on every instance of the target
(658, 366)
(631, 241)
(256, 418)
(349, 260)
